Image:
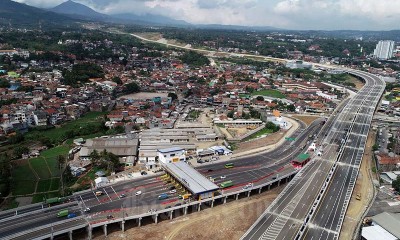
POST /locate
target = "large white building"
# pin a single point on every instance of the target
(384, 50)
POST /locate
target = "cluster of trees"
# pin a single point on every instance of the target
(5, 174)
(81, 73)
(104, 159)
(131, 88)
(272, 126)
(396, 184)
(194, 59)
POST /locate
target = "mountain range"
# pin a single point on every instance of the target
(70, 12)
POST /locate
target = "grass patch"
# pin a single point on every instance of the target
(50, 156)
(23, 187)
(269, 93)
(57, 134)
(24, 180)
(39, 164)
(22, 171)
(55, 184)
(43, 185)
(259, 134)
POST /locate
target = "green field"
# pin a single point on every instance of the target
(43, 185)
(45, 166)
(39, 165)
(56, 134)
(269, 93)
(259, 133)
(22, 187)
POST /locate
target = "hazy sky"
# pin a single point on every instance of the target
(288, 14)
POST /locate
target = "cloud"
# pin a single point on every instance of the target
(289, 14)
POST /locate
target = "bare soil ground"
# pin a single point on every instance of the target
(364, 187)
(150, 35)
(261, 142)
(229, 221)
(357, 82)
(307, 119)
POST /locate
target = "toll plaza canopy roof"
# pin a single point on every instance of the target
(190, 178)
(302, 157)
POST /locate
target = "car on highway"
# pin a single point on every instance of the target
(138, 193)
(122, 195)
(98, 193)
(172, 191)
(110, 216)
(163, 196)
(71, 215)
(223, 177)
(86, 210)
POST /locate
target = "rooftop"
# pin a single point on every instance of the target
(389, 221)
(172, 149)
(191, 178)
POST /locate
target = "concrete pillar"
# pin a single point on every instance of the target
(123, 226)
(248, 193)
(70, 235)
(259, 190)
(212, 203)
(51, 237)
(185, 210)
(105, 229)
(156, 218)
(279, 182)
(237, 196)
(225, 200)
(171, 214)
(269, 187)
(139, 220)
(89, 231)
(199, 207)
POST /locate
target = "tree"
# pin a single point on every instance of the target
(132, 88)
(396, 184)
(117, 80)
(173, 96)
(61, 160)
(260, 98)
(18, 151)
(291, 108)
(94, 157)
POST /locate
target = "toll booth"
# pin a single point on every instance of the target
(199, 186)
(301, 160)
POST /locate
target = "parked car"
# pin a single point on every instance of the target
(86, 210)
(122, 196)
(71, 215)
(138, 193)
(172, 191)
(143, 173)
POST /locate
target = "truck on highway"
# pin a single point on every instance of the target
(163, 196)
(54, 200)
(226, 184)
(62, 213)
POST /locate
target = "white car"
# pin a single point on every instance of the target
(223, 177)
(172, 191)
(138, 193)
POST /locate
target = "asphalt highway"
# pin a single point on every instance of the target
(343, 145)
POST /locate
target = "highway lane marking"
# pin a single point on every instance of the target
(107, 194)
(115, 192)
